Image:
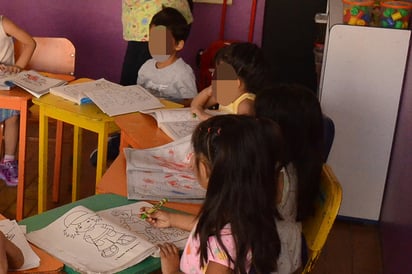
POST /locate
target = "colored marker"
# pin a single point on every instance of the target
(153, 209)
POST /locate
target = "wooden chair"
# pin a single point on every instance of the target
(53, 57)
(316, 228)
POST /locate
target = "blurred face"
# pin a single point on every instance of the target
(225, 84)
(161, 43)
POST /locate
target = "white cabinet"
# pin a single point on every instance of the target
(363, 74)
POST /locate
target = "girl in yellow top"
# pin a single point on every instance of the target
(240, 72)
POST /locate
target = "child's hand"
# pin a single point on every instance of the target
(10, 69)
(157, 219)
(169, 258)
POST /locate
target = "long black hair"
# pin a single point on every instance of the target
(242, 154)
(297, 111)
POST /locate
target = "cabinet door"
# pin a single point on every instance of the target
(362, 86)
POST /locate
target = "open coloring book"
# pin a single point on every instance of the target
(76, 93)
(177, 122)
(163, 171)
(13, 232)
(123, 99)
(106, 241)
(35, 83)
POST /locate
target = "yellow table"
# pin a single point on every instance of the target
(88, 117)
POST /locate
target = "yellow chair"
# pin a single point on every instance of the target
(53, 55)
(317, 227)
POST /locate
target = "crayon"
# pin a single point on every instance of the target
(153, 209)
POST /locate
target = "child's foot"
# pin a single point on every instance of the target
(9, 173)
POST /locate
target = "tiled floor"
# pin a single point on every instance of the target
(352, 248)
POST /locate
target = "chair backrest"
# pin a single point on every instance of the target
(317, 227)
(329, 135)
(52, 54)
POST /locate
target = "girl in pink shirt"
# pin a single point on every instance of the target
(236, 158)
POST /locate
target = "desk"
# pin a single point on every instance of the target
(88, 117)
(95, 203)
(17, 99)
(139, 131)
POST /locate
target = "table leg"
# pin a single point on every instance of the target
(22, 159)
(57, 160)
(102, 153)
(77, 144)
(43, 155)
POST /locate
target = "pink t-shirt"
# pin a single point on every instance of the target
(190, 261)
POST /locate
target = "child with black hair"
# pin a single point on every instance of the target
(236, 158)
(297, 111)
(239, 74)
(136, 17)
(166, 75)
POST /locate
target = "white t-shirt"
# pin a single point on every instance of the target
(174, 82)
(6, 46)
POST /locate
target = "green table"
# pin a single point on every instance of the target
(95, 203)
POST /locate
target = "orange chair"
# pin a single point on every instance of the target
(316, 228)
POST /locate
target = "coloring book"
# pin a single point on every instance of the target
(123, 99)
(177, 122)
(35, 83)
(76, 93)
(105, 241)
(164, 171)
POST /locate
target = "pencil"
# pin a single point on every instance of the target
(154, 208)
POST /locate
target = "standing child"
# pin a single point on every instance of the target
(297, 111)
(240, 72)
(235, 158)
(8, 32)
(166, 75)
(11, 256)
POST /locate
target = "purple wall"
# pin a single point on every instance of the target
(396, 217)
(95, 29)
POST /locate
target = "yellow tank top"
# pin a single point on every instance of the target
(232, 107)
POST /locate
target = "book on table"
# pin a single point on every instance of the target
(35, 83)
(76, 93)
(163, 171)
(123, 99)
(105, 241)
(177, 122)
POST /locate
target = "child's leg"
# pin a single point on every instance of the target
(8, 167)
(11, 137)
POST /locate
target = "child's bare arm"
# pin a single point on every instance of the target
(13, 256)
(202, 101)
(246, 107)
(28, 43)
